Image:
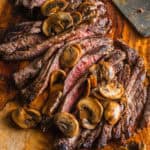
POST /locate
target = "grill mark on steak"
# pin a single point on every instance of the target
(146, 117)
(20, 44)
(32, 90)
(22, 29)
(82, 66)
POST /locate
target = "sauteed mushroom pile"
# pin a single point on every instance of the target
(60, 18)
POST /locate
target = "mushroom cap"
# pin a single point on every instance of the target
(57, 23)
(87, 88)
(112, 90)
(106, 70)
(70, 56)
(77, 17)
(90, 112)
(67, 124)
(52, 25)
(112, 112)
(57, 80)
(53, 6)
(26, 118)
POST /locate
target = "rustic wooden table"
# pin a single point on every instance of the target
(15, 139)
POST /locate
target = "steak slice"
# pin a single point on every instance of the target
(146, 116)
(124, 75)
(125, 127)
(22, 29)
(131, 53)
(79, 70)
(42, 47)
(81, 67)
(73, 96)
(30, 4)
(20, 44)
(30, 91)
(22, 77)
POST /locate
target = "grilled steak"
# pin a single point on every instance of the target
(88, 87)
(30, 3)
(22, 29)
(130, 73)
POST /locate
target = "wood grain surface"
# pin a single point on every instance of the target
(17, 139)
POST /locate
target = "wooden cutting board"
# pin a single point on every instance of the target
(18, 139)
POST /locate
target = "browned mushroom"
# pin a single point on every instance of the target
(52, 6)
(106, 71)
(57, 80)
(52, 103)
(93, 80)
(70, 56)
(67, 124)
(52, 25)
(26, 117)
(112, 90)
(87, 89)
(77, 17)
(39, 101)
(57, 23)
(112, 112)
(90, 112)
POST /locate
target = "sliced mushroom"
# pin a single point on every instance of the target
(90, 112)
(67, 124)
(70, 56)
(112, 112)
(106, 71)
(52, 103)
(52, 6)
(112, 90)
(66, 19)
(26, 118)
(52, 26)
(57, 80)
(77, 17)
(57, 23)
(93, 80)
(95, 92)
(87, 89)
(39, 101)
